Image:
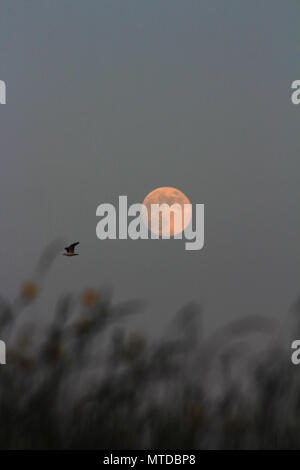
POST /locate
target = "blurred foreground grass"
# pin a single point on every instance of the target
(82, 382)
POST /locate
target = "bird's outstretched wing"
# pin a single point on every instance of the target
(70, 248)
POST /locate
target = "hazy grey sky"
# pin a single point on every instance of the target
(119, 97)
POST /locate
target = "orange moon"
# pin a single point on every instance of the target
(169, 196)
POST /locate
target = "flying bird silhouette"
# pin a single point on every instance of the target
(70, 250)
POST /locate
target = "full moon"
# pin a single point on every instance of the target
(177, 222)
